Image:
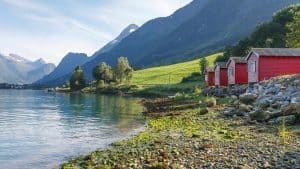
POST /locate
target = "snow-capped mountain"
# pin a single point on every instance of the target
(18, 70)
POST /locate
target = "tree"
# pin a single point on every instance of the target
(293, 37)
(203, 65)
(77, 81)
(103, 72)
(123, 71)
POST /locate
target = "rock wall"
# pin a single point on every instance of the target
(269, 101)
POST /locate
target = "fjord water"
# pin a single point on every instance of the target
(39, 129)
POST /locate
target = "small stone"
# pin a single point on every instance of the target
(234, 97)
(203, 111)
(243, 108)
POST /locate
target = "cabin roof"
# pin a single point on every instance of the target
(237, 60)
(221, 64)
(275, 52)
(209, 70)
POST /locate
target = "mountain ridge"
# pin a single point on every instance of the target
(19, 70)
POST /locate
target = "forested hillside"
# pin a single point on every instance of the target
(283, 31)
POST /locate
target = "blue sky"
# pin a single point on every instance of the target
(49, 29)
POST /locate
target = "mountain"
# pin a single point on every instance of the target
(71, 60)
(127, 31)
(18, 70)
(201, 27)
(66, 65)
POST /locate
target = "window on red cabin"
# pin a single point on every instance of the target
(230, 72)
(252, 66)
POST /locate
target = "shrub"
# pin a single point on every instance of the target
(100, 84)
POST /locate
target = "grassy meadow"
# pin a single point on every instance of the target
(171, 74)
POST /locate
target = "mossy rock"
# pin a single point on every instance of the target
(259, 115)
(203, 111)
(297, 118)
(248, 98)
(243, 108)
(210, 102)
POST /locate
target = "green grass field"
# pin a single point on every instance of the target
(171, 74)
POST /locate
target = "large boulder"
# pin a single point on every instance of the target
(259, 115)
(248, 98)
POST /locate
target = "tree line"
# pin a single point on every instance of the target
(103, 74)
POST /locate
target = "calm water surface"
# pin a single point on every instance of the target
(40, 129)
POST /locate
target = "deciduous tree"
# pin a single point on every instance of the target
(77, 80)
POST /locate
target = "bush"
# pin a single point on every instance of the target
(100, 84)
(196, 76)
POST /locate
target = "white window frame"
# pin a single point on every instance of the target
(253, 66)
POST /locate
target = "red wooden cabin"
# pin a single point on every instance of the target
(237, 71)
(221, 78)
(264, 63)
(209, 77)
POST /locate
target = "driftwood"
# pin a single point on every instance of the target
(167, 105)
(290, 110)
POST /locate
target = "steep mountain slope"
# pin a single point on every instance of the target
(201, 27)
(126, 32)
(18, 70)
(67, 64)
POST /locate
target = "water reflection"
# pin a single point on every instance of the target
(40, 129)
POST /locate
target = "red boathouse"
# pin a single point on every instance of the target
(264, 63)
(237, 71)
(221, 78)
(209, 77)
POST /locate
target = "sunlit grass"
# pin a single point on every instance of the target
(170, 74)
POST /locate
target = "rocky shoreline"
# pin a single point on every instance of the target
(189, 138)
(182, 135)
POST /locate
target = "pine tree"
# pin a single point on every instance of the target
(203, 65)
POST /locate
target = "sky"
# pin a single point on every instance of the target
(49, 29)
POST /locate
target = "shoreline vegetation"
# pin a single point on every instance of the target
(160, 81)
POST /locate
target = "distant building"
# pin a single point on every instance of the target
(221, 78)
(209, 77)
(237, 71)
(264, 63)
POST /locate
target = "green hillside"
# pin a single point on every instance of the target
(170, 74)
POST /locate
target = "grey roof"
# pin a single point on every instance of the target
(277, 51)
(209, 70)
(238, 59)
(221, 64)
